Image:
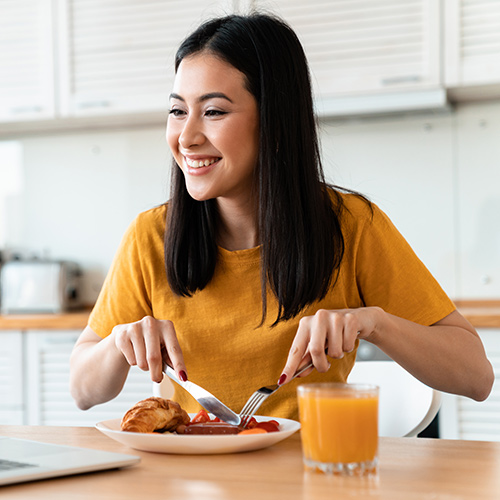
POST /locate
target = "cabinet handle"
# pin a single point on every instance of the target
(94, 104)
(26, 109)
(396, 80)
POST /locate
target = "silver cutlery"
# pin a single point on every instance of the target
(260, 395)
(207, 400)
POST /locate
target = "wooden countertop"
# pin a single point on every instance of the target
(481, 313)
(76, 320)
(410, 469)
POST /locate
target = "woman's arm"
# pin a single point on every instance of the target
(99, 366)
(448, 355)
(97, 370)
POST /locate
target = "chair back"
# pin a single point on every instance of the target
(165, 389)
(406, 405)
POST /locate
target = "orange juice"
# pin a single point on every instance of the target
(339, 423)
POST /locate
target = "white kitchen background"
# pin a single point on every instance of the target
(409, 115)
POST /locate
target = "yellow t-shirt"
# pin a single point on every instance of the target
(224, 348)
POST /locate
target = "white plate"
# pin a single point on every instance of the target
(198, 444)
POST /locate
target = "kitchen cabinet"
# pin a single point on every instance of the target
(26, 61)
(463, 418)
(478, 200)
(11, 377)
(363, 46)
(61, 59)
(387, 52)
(117, 57)
(34, 382)
(80, 63)
(472, 47)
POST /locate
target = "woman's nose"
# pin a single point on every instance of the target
(191, 134)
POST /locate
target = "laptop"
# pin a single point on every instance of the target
(23, 460)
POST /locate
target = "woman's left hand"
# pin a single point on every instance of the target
(329, 332)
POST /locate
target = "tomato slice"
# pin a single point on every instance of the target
(200, 417)
(269, 426)
(252, 423)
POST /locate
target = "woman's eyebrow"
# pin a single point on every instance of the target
(204, 97)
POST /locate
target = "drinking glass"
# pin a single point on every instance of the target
(339, 427)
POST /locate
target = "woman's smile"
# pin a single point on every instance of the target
(200, 163)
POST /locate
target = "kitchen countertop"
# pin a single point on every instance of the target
(481, 313)
(74, 320)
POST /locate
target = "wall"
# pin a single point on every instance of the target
(437, 176)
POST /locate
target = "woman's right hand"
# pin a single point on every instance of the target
(148, 343)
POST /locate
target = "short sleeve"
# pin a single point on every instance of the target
(124, 297)
(391, 276)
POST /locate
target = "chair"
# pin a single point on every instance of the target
(165, 389)
(406, 405)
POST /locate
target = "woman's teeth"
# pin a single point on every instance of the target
(200, 163)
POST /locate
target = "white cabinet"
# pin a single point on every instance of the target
(26, 60)
(113, 59)
(463, 418)
(477, 200)
(472, 44)
(74, 58)
(48, 401)
(34, 382)
(11, 378)
(363, 48)
(117, 56)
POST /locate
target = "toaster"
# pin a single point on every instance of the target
(39, 286)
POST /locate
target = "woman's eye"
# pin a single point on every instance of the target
(215, 112)
(176, 112)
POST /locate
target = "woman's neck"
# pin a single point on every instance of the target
(238, 227)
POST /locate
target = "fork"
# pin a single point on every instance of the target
(260, 395)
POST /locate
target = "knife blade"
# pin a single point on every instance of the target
(207, 400)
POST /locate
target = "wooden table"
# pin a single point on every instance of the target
(410, 469)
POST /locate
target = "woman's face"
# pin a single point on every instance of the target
(213, 129)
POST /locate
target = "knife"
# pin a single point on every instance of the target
(207, 400)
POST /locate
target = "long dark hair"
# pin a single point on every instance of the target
(299, 222)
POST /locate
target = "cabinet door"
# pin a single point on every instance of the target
(361, 47)
(11, 377)
(463, 418)
(26, 60)
(117, 56)
(48, 399)
(472, 43)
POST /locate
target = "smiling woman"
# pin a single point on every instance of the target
(255, 264)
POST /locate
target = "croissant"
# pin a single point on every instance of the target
(154, 414)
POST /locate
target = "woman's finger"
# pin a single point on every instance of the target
(153, 341)
(320, 331)
(335, 340)
(173, 349)
(297, 351)
(123, 344)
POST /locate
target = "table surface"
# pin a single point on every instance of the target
(410, 468)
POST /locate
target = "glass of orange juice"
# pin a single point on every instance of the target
(339, 427)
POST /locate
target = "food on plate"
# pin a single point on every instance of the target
(210, 428)
(163, 415)
(201, 423)
(154, 415)
(254, 430)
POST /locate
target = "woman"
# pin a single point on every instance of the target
(255, 265)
